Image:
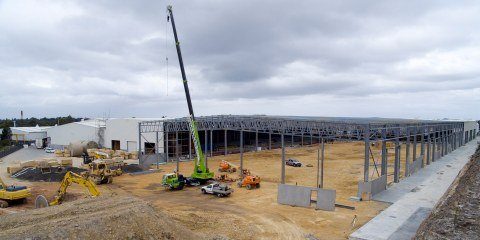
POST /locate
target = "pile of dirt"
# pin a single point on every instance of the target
(52, 174)
(457, 215)
(111, 217)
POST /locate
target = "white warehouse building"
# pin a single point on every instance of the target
(88, 130)
(122, 134)
(29, 133)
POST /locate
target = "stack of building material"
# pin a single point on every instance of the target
(133, 155)
(30, 163)
(13, 169)
(65, 161)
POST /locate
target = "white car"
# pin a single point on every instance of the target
(49, 150)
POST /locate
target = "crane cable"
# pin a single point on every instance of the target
(166, 46)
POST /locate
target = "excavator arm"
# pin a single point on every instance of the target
(200, 170)
(70, 178)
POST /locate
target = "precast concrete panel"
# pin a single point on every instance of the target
(366, 190)
(326, 199)
(294, 195)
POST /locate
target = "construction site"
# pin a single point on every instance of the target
(243, 177)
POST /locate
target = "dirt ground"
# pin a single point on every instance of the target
(105, 217)
(253, 214)
(457, 215)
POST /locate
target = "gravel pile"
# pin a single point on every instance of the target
(132, 168)
(457, 216)
(52, 174)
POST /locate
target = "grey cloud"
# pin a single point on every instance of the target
(236, 51)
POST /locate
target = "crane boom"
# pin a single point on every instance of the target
(200, 170)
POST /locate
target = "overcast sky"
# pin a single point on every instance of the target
(410, 59)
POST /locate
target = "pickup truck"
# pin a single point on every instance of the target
(217, 189)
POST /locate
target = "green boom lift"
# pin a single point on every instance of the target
(200, 172)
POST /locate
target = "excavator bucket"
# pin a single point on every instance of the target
(41, 202)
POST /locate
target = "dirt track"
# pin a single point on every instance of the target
(457, 215)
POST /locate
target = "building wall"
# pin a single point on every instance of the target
(29, 136)
(63, 135)
(470, 130)
(126, 131)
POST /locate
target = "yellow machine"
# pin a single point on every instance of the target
(99, 172)
(12, 193)
(69, 178)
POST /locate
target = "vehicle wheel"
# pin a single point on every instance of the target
(258, 185)
(3, 204)
(180, 187)
(219, 195)
(239, 184)
(203, 191)
(249, 187)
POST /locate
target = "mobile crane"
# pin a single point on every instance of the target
(200, 170)
(68, 179)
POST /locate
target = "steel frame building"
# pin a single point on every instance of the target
(436, 138)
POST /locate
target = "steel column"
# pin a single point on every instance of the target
(323, 163)
(166, 142)
(241, 153)
(384, 153)
(206, 148)
(256, 141)
(211, 143)
(422, 146)
(407, 153)
(414, 155)
(270, 140)
(225, 141)
(177, 155)
(429, 143)
(157, 154)
(396, 170)
(283, 159)
(366, 163)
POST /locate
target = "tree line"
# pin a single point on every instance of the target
(6, 124)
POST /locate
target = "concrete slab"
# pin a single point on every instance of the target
(413, 195)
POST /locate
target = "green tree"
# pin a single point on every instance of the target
(6, 136)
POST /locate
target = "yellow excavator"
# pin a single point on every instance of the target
(70, 177)
(12, 193)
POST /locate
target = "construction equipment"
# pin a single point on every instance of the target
(12, 193)
(68, 179)
(249, 181)
(173, 181)
(200, 170)
(99, 172)
(226, 167)
(224, 178)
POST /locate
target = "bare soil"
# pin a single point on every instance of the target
(246, 214)
(255, 214)
(107, 217)
(457, 215)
